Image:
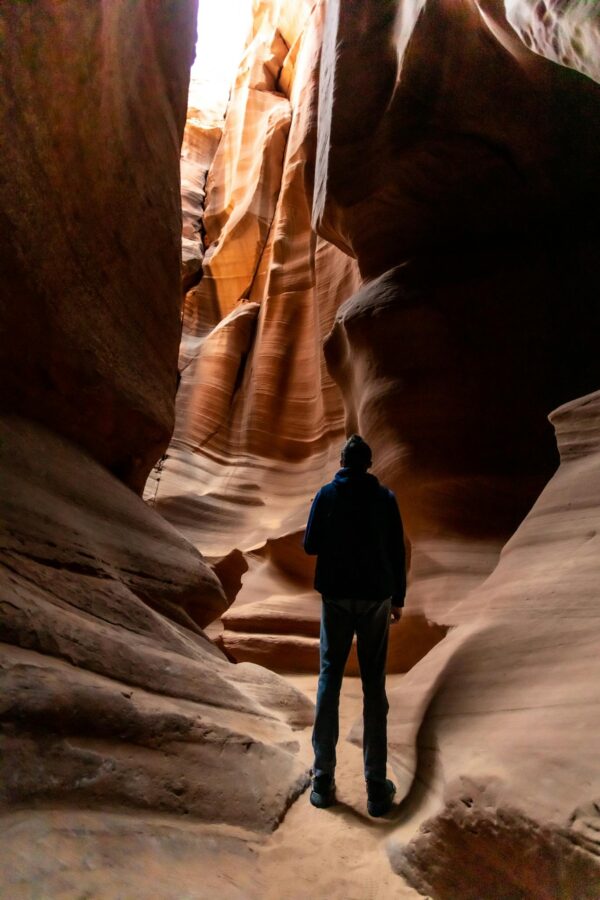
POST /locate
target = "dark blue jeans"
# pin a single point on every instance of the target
(339, 621)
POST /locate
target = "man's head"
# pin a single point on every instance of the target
(356, 453)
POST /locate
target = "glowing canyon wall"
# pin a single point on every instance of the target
(116, 708)
(470, 163)
(474, 168)
(259, 419)
(90, 280)
(451, 168)
(394, 230)
(443, 183)
(495, 732)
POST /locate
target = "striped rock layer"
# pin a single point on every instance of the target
(441, 155)
(120, 720)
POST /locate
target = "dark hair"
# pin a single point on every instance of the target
(356, 453)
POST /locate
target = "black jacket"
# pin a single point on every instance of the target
(355, 530)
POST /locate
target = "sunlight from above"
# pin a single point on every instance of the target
(223, 27)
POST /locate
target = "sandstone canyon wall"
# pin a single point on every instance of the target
(456, 162)
(504, 714)
(259, 419)
(449, 163)
(394, 230)
(91, 213)
(474, 164)
(113, 699)
(469, 209)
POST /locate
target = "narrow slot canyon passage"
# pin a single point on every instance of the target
(233, 234)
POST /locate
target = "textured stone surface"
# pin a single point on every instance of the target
(200, 142)
(494, 734)
(113, 855)
(470, 851)
(566, 31)
(460, 210)
(91, 117)
(456, 171)
(276, 616)
(462, 140)
(106, 702)
(259, 419)
(451, 359)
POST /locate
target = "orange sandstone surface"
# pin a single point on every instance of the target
(393, 230)
(114, 701)
(92, 111)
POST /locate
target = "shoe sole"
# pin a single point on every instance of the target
(322, 801)
(378, 808)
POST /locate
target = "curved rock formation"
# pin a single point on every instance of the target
(113, 698)
(91, 119)
(200, 141)
(460, 212)
(466, 142)
(452, 394)
(505, 712)
(567, 33)
(276, 617)
(259, 419)
(450, 255)
(106, 702)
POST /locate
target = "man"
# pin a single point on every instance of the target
(355, 530)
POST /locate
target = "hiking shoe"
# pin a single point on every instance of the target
(323, 791)
(380, 797)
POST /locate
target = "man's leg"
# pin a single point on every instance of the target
(337, 631)
(372, 629)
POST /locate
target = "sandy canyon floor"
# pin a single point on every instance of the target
(339, 852)
(335, 853)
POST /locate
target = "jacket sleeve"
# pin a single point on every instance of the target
(397, 551)
(314, 528)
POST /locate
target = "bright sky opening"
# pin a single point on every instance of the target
(223, 27)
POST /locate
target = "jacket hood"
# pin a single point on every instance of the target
(355, 479)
